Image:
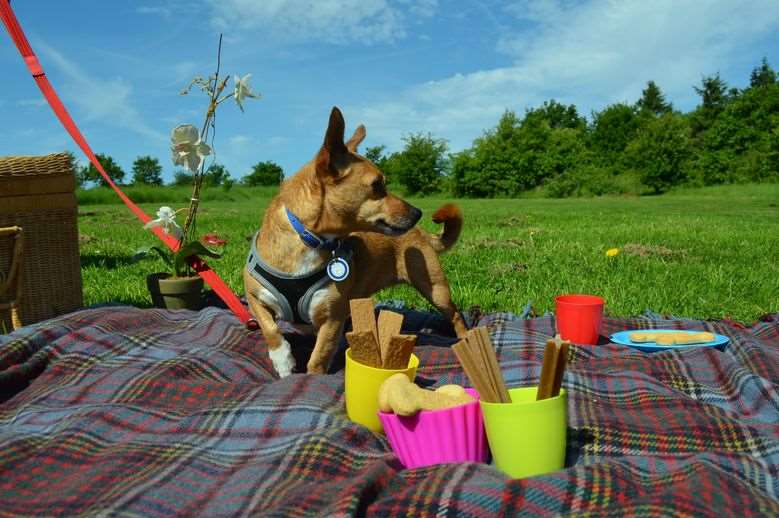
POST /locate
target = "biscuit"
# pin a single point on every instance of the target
(364, 348)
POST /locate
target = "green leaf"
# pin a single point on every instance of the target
(187, 251)
(165, 255)
(145, 252)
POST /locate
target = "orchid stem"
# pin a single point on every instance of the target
(190, 225)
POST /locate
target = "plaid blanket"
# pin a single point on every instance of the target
(122, 411)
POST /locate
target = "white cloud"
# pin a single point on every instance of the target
(589, 54)
(34, 103)
(154, 10)
(105, 100)
(331, 21)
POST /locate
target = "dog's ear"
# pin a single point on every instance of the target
(333, 146)
(357, 138)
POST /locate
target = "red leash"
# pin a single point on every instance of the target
(202, 269)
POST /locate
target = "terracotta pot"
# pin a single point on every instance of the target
(175, 292)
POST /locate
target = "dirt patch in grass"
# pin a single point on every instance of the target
(516, 221)
(512, 242)
(640, 250)
(503, 269)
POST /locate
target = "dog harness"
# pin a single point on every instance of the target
(294, 292)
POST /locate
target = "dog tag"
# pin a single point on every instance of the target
(338, 269)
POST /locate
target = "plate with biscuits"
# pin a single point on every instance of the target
(650, 340)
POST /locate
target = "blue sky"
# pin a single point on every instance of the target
(448, 67)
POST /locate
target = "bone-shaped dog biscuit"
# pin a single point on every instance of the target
(400, 396)
(678, 338)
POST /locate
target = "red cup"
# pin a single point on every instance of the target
(579, 318)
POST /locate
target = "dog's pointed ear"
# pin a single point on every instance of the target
(333, 145)
(356, 140)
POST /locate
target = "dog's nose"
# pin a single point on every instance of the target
(416, 214)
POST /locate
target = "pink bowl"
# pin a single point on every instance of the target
(438, 436)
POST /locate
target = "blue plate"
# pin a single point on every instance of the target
(623, 338)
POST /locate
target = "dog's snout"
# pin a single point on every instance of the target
(415, 215)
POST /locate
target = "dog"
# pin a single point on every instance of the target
(335, 214)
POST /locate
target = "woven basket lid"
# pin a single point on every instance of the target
(25, 175)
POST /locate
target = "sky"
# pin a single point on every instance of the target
(445, 67)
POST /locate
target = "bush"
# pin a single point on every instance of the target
(264, 173)
(592, 180)
(420, 167)
(662, 152)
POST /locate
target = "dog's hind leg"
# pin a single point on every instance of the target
(423, 271)
(441, 298)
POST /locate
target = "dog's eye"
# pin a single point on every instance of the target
(379, 189)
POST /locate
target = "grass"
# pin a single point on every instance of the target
(699, 253)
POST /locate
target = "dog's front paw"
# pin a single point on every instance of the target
(282, 359)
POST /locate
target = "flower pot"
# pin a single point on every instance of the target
(175, 292)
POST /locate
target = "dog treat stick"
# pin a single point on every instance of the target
(475, 371)
(555, 358)
(481, 337)
(399, 351)
(363, 318)
(562, 360)
(389, 325)
(364, 348)
(478, 355)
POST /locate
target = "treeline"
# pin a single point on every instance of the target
(732, 136)
(146, 170)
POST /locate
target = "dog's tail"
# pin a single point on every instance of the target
(452, 218)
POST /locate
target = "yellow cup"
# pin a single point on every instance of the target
(527, 437)
(361, 387)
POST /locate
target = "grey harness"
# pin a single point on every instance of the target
(293, 292)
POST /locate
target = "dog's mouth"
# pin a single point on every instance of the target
(390, 230)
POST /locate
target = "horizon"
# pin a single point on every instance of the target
(400, 67)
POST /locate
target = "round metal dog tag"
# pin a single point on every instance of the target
(338, 269)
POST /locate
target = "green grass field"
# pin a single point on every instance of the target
(704, 253)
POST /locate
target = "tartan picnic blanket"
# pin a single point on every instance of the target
(131, 412)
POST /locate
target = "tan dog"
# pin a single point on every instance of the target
(341, 198)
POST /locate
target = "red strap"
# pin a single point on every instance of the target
(202, 269)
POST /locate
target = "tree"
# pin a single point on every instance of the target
(714, 92)
(76, 169)
(420, 166)
(493, 166)
(376, 155)
(737, 146)
(612, 129)
(558, 116)
(147, 170)
(763, 75)
(182, 177)
(662, 151)
(215, 175)
(264, 173)
(715, 95)
(653, 101)
(89, 173)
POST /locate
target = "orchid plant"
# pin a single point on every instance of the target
(189, 149)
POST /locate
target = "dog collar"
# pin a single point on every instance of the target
(309, 238)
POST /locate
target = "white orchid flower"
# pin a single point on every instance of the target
(243, 90)
(187, 148)
(166, 218)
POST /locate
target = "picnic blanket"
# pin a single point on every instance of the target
(123, 411)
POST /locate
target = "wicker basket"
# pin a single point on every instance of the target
(38, 194)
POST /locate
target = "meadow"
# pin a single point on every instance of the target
(700, 253)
